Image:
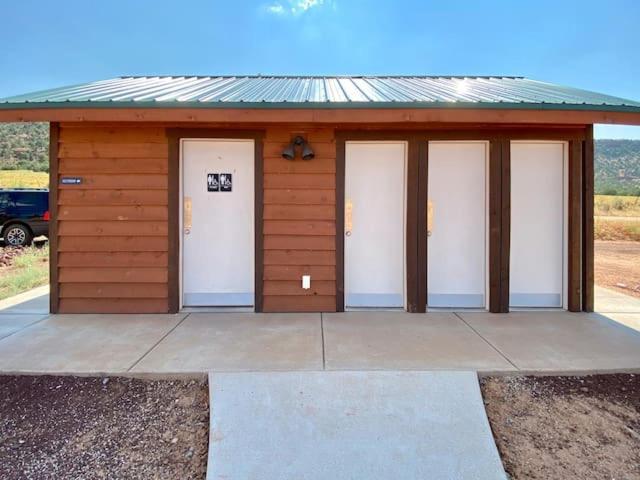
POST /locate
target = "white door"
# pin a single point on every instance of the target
(457, 225)
(537, 224)
(374, 258)
(218, 222)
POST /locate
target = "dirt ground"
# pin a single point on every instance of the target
(617, 266)
(94, 428)
(566, 427)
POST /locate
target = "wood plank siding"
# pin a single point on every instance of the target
(112, 231)
(299, 223)
(115, 237)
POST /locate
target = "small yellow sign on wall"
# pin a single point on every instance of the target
(430, 217)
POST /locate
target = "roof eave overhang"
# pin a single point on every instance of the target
(321, 105)
(329, 113)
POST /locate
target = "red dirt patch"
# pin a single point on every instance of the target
(566, 427)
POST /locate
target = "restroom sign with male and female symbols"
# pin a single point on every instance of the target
(219, 182)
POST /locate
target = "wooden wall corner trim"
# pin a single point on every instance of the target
(173, 193)
(258, 214)
(54, 138)
(587, 221)
(340, 190)
(574, 275)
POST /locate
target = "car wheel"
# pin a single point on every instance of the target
(17, 235)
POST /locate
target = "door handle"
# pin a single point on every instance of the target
(187, 215)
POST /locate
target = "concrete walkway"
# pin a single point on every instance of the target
(23, 310)
(200, 342)
(347, 425)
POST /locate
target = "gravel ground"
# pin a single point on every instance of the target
(566, 427)
(98, 428)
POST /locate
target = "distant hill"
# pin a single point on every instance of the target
(618, 167)
(24, 146)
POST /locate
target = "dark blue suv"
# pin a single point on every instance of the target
(24, 215)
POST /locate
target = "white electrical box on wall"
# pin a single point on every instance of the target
(306, 282)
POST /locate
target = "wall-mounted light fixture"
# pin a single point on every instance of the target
(289, 152)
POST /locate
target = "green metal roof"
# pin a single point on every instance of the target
(320, 92)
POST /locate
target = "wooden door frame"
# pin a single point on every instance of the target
(175, 135)
(411, 247)
(580, 268)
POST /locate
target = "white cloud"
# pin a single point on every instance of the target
(293, 7)
(276, 9)
(307, 4)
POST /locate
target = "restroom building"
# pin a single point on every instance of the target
(320, 194)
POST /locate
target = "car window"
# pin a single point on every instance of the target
(25, 200)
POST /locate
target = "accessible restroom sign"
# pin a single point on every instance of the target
(219, 182)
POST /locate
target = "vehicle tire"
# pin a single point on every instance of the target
(17, 235)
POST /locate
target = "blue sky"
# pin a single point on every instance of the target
(587, 44)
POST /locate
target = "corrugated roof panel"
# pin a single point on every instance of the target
(320, 91)
(189, 95)
(172, 94)
(334, 91)
(240, 92)
(389, 89)
(429, 90)
(159, 92)
(109, 92)
(129, 93)
(461, 90)
(352, 91)
(220, 91)
(372, 93)
(302, 91)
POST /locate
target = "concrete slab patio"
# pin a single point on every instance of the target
(84, 343)
(239, 342)
(11, 323)
(198, 342)
(559, 342)
(405, 341)
(347, 425)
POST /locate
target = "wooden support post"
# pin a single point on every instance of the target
(412, 225)
(499, 224)
(505, 236)
(587, 221)
(575, 227)
(495, 224)
(54, 137)
(423, 198)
